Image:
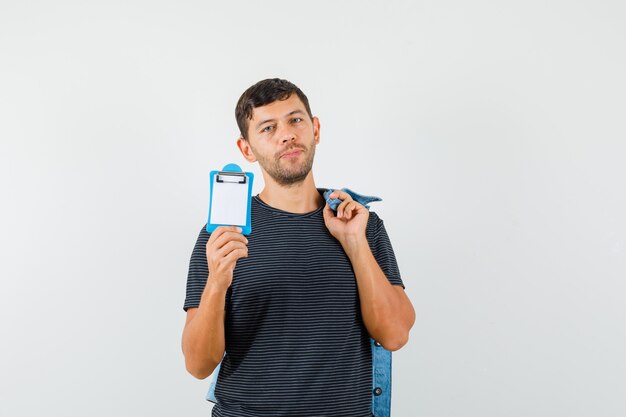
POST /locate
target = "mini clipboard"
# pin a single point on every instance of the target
(230, 198)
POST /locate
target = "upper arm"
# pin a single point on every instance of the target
(382, 250)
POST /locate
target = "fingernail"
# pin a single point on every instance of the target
(239, 229)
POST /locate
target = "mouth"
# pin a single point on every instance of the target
(292, 153)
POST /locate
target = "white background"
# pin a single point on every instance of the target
(494, 131)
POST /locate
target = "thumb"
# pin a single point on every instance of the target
(328, 213)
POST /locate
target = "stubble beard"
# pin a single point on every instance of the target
(288, 176)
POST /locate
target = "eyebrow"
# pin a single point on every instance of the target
(272, 120)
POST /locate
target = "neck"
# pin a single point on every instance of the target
(302, 197)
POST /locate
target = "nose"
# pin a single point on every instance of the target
(285, 134)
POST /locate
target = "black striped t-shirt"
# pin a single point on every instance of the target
(296, 344)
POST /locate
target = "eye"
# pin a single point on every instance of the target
(267, 129)
(296, 119)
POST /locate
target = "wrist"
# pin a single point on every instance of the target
(216, 286)
(355, 246)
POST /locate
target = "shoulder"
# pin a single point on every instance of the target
(374, 224)
(203, 236)
(374, 220)
(374, 217)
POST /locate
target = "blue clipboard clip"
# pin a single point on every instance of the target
(232, 174)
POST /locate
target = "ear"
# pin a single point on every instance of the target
(246, 149)
(316, 130)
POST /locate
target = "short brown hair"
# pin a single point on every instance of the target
(262, 93)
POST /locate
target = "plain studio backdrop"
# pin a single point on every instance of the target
(494, 132)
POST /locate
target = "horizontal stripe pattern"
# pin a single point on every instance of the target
(295, 340)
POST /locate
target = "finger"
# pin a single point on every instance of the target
(219, 256)
(342, 195)
(328, 213)
(349, 209)
(236, 255)
(228, 236)
(342, 207)
(229, 247)
(227, 263)
(223, 229)
(218, 252)
(355, 208)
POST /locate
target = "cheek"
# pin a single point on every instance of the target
(252, 152)
(261, 154)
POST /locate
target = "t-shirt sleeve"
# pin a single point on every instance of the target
(382, 249)
(198, 271)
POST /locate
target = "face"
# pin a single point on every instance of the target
(282, 138)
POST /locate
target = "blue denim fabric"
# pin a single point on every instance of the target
(361, 199)
(381, 380)
(210, 396)
(381, 358)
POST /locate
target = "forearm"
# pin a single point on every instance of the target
(203, 336)
(386, 310)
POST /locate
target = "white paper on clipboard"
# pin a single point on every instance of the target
(229, 202)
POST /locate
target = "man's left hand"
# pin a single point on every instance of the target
(348, 226)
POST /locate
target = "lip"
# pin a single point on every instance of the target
(292, 153)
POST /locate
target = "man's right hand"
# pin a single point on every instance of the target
(225, 246)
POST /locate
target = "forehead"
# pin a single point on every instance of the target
(278, 109)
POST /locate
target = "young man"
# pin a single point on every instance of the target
(291, 308)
